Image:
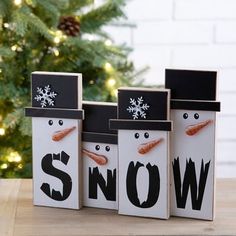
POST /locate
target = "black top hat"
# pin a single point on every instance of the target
(56, 95)
(142, 109)
(96, 122)
(192, 90)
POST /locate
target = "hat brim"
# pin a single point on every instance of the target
(140, 124)
(195, 105)
(54, 113)
(99, 137)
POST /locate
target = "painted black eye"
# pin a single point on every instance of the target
(185, 116)
(60, 122)
(146, 135)
(196, 116)
(97, 147)
(136, 135)
(50, 122)
(107, 148)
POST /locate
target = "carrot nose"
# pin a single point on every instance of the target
(59, 135)
(194, 129)
(147, 147)
(99, 159)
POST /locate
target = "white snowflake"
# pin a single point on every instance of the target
(45, 96)
(138, 108)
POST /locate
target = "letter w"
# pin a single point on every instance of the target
(190, 181)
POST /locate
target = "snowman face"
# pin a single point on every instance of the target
(98, 152)
(100, 159)
(145, 142)
(54, 131)
(194, 122)
(193, 129)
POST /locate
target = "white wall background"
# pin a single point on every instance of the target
(190, 34)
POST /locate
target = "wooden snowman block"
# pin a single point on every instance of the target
(100, 156)
(143, 145)
(56, 138)
(193, 112)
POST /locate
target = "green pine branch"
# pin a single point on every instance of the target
(5, 7)
(98, 17)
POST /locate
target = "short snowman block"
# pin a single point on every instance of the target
(193, 112)
(56, 138)
(143, 144)
(100, 156)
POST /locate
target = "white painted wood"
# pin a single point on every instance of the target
(112, 161)
(128, 152)
(198, 147)
(43, 145)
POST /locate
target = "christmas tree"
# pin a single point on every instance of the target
(49, 35)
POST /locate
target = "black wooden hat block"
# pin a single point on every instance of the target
(142, 109)
(55, 95)
(192, 90)
(96, 122)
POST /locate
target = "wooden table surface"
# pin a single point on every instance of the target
(19, 217)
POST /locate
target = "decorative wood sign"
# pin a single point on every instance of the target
(100, 156)
(143, 128)
(192, 152)
(56, 132)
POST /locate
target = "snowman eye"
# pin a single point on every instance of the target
(60, 122)
(107, 148)
(136, 135)
(196, 116)
(185, 116)
(146, 135)
(97, 147)
(50, 122)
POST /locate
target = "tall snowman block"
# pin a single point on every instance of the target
(143, 145)
(193, 111)
(100, 156)
(56, 138)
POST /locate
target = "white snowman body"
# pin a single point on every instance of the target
(56, 164)
(94, 195)
(129, 156)
(197, 149)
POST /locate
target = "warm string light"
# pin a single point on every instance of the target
(58, 36)
(56, 52)
(57, 40)
(14, 157)
(14, 48)
(6, 25)
(20, 166)
(111, 82)
(4, 166)
(114, 93)
(2, 131)
(17, 2)
(90, 37)
(108, 42)
(108, 67)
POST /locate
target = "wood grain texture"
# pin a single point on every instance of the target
(18, 217)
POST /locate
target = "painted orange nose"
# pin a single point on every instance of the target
(194, 129)
(99, 159)
(59, 135)
(147, 147)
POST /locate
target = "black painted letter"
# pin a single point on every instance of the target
(154, 185)
(108, 189)
(190, 181)
(48, 168)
